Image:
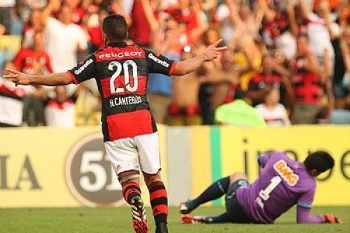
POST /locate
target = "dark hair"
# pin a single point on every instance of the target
(321, 161)
(115, 27)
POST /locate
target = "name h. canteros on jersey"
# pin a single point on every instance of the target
(125, 100)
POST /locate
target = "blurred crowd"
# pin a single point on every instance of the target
(287, 62)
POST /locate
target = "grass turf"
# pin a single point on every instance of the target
(117, 220)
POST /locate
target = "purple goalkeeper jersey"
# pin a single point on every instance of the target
(282, 183)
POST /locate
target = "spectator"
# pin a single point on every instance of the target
(190, 13)
(321, 28)
(184, 109)
(223, 20)
(226, 80)
(248, 59)
(238, 113)
(140, 29)
(276, 27)
(246, 22)
(94, 29)
(274, 113)
(34, 24)
(342, 70)
(332, 4)
(250, 27)
(11, 105)
(87, 105)
(306, 82)
(64, 39)
(210, 71)
(271, 76)
(78, 12)
(6, 8)
(160, 86)
(34, 60)
(60, 111)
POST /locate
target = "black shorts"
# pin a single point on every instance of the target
(232, 206)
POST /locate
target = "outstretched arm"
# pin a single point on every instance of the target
(190, 65)
(304, 205)
(304, 216)
(54, 79)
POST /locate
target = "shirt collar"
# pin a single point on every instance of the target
(119, 44)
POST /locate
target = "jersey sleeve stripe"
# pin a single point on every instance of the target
(74, 79)
(304, 205)
(172, 68)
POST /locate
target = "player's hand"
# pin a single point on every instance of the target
(17, 77)
(330, 218)
(212, 52)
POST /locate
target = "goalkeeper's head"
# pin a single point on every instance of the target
(318, 162)
(115, 29)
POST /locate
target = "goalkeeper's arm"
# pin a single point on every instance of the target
(304, 216)
(263, 158)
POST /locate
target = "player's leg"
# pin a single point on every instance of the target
(237, 181)
(227, 185)
(132, 194)
(237, 176)
(214, 191)
(124, 158)
(148, 147)
(159, 201)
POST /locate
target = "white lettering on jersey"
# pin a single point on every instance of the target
(125, 101)
(121, 55)
(83, 67)
(154, 58)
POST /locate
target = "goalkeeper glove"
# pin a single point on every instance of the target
(330, 218)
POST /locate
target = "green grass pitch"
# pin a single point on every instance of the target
(117, 220)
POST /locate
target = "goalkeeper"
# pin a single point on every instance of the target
(281, 184)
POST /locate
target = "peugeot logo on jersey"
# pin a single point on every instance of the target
(90, 176)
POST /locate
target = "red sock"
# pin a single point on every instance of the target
(159, 201)
(130, 190)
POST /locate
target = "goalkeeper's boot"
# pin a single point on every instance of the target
(189, 219)
(139, 220)
(186, 207)
(162, 227)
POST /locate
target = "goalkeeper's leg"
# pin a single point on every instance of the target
(222, 218)
(214, 191)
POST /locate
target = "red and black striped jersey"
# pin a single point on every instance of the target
(121, 73)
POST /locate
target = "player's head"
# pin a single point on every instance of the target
(318, 162)
(114, 28)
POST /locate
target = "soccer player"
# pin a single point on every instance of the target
(282, 183)
(129, 129)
